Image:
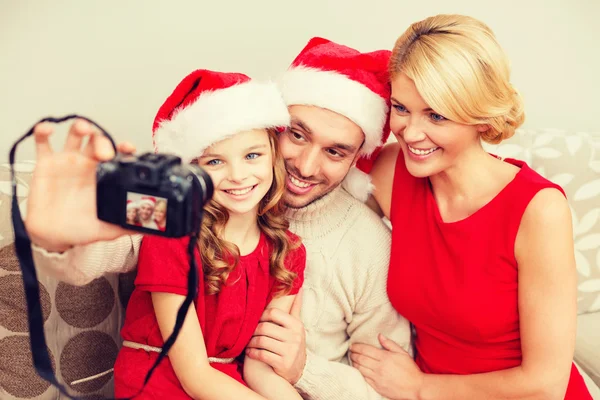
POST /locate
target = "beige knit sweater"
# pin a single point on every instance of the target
(344, 300)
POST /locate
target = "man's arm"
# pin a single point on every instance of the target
(82, 264)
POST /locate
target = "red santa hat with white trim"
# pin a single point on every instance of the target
(131, 204)
(149, 200)
(351, 83)
(207, 107)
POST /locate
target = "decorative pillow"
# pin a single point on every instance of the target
(571, 160)
(81, 323)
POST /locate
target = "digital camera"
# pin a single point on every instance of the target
(152, 193)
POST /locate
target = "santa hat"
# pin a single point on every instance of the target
(131, 204)
(354, 84)
(148, 200)
(207, 107)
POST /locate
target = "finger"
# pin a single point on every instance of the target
(273, 360)
(79, 129)
(281, 318)
(390, 345)
(366, 372)
(268, 344)
(41, 133)
(364, 361)
(99, 147)
(126, 148)
(297, 305)
(367, 350)
(273, 331)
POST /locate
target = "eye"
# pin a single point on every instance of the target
(296, 135)
(252, 156)
(214, 161)
(437, 117)
(334, 153)
(399, 108)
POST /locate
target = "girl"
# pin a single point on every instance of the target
(132, 213)
(226, 124)
(482, 258)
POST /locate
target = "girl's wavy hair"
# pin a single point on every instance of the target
(219, 257)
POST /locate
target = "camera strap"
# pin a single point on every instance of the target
(37, 337)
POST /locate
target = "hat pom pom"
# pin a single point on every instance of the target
(358, 184)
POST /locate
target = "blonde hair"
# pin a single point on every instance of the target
(461, 72)
(219, 257)
(161, 202)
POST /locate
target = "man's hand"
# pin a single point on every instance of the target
(280, 341)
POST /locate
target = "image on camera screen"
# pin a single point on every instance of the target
(146, 211)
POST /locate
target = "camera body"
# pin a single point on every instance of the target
(167, 197)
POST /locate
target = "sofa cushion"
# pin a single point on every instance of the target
(81, 323)
(571, 160)
(587, 348)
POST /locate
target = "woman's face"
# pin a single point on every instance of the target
(160, 213)
(431, 143)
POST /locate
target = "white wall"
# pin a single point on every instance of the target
(117, 60)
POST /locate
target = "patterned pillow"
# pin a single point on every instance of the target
(571, 160)
(81, 323)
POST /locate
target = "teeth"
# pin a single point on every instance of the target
(299, 183)
(239, 192)
(422, 152)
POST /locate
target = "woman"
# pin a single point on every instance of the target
(482, 256)
(160, 214)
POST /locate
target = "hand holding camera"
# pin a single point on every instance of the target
(61, 210)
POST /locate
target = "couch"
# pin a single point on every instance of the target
(82, 323)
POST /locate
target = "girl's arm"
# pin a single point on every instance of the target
(547, 310)
(261, 377)
(188, 354)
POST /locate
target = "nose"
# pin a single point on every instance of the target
(308, 162)
(237, 172)
(413, 131)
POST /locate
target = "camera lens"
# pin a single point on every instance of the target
(143, 173)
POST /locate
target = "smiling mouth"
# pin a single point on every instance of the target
(239, 192)
(422, 152)
(301, 184)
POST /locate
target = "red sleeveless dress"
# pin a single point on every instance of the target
(457, 282)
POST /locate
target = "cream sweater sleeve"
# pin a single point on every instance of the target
(368, 254)
(82, 264)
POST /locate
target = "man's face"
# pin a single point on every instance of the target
(318, 149)
(146, 211)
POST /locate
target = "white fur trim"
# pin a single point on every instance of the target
(219, 114)
(147, 201)
(358, 184)
(341, 94)
(133, 205)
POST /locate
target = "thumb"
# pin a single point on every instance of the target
(297, 305)
(390, 345)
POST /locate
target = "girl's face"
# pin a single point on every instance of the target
(431, 143)
(160, 212)
(131, 214)
(241, 168)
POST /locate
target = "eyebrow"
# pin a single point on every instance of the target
(302, 125)
(396, 101)
(251, 148)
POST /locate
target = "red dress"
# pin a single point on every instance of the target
(457, 282)
(228, 319)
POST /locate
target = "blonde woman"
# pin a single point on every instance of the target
(482, 258)
(160, 214)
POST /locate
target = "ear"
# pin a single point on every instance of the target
(483, 128)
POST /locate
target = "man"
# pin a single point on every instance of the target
(147, 205)
(338, 102)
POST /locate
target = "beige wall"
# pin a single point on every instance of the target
(116, 61)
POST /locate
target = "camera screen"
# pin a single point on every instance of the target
(146, 211)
